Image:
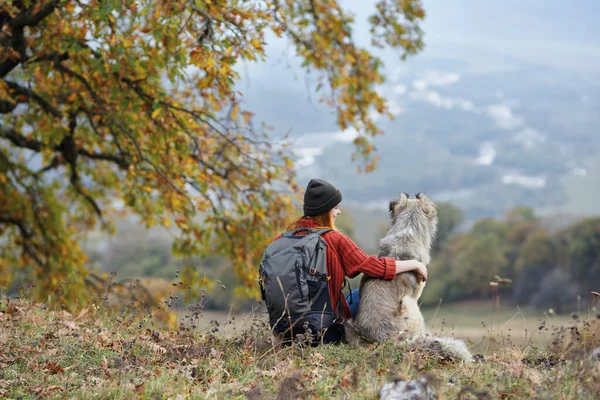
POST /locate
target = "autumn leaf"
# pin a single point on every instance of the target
(70, 324)
(158, 349)
(140, 388)
(54, 368)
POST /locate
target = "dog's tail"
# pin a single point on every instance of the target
(446, 348)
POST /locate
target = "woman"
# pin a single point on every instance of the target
(344, 257)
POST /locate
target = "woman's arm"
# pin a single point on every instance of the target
(411, 265)
(352, 260)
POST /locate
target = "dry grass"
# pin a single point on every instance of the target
(95, 353)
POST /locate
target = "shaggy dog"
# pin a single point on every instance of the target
(389, 309)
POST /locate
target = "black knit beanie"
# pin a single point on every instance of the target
(320, 197)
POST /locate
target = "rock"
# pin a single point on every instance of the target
(407, 390)
(254, 394)
(596, 354)
(117, 362)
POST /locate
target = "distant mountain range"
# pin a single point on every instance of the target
(485, 136)
(486, 143)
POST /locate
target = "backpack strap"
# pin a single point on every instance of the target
(309, 230)
(314, 272)
(316, 296)
(293, 232)
(347, 283)
(320, 232)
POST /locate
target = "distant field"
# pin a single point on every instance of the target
(485, 328)
(471, 321)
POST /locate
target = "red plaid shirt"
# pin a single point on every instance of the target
(345, 258)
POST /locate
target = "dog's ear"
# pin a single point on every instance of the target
(393, 205)
(403, 199)
(397, 205)
(428, 205)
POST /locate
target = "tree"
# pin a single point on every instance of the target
(539, 249)
(557, 291)
(521, 223)
(449, 218)
(478, 261)
(489, 226)
(520, 214)
(581, 248)
(131, 105)
(536, 259)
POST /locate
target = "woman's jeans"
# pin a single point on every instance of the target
(353, 299)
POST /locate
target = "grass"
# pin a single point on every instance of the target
(473, 321)
(486, 328)
(95, 353)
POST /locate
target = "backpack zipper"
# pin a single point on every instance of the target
(298, 281)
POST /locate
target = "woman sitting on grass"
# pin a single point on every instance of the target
(343, 259)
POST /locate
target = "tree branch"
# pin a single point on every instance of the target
(81, 79)
(17, 42)
(26, 19)
(120, 161)
(35, 145)
(15, 33)
(21, 141)
(53, 164)
(25, 234)
(54, 57)
(18, 223)
(49, 108)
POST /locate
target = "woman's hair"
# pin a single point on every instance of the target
(324, 221)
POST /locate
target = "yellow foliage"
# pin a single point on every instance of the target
(125, 104)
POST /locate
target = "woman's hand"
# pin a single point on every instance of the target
(411, 265)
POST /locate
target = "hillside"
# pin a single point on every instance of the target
(93, 353)
(471, 126)
(582, 191)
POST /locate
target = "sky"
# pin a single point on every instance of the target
(482, 36)
(562, 34)
(462, 37)
(483, 61)
(553, 32)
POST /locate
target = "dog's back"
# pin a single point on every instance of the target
(380, 315)
(388, 308)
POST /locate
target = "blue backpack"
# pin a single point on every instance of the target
(293, 282)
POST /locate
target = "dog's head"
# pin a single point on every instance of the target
(419, 213)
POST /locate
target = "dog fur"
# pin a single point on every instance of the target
(390, 309)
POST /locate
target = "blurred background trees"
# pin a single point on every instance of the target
(549, 268)
(127, 118)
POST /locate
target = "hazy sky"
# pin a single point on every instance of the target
(513, 20)
(491, 35)
(553, 32)
(558, 33)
